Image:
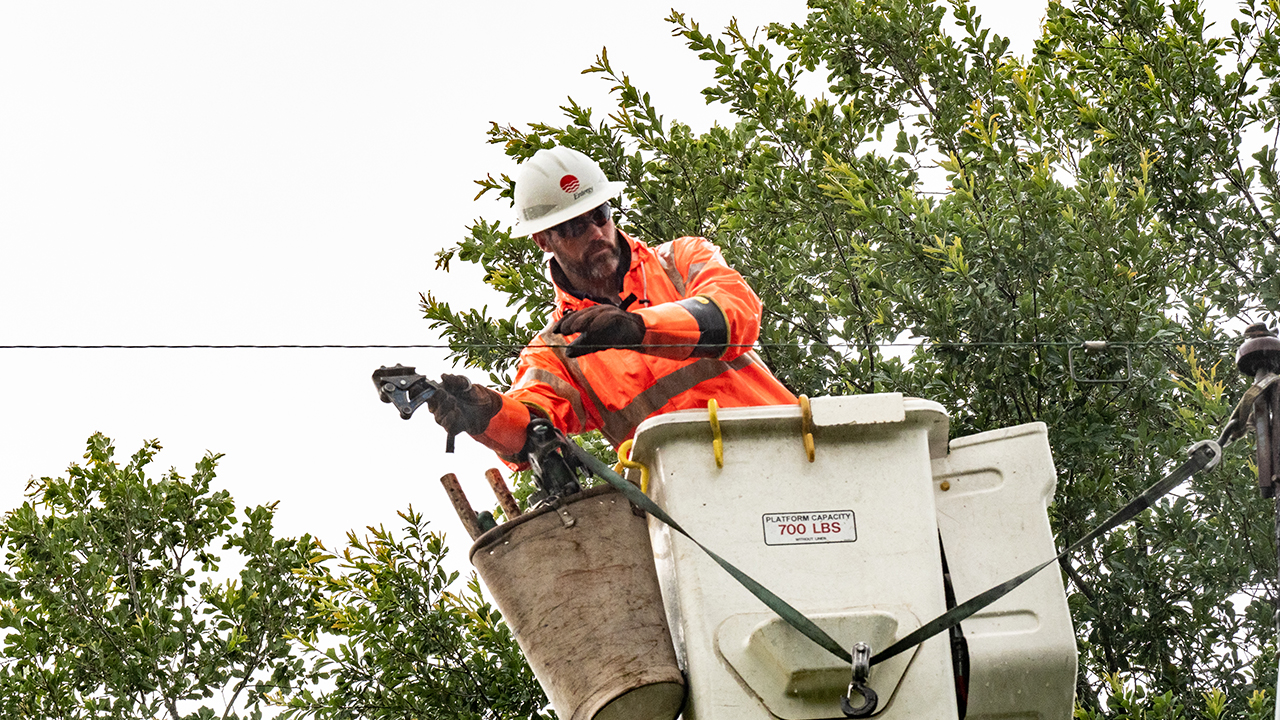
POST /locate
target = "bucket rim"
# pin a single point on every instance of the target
(493, 535)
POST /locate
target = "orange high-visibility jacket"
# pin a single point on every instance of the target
(688, 297)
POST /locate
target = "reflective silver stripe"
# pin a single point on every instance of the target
(667, 387)
(557, 343)
(759, 362)
(694, 269)
(666, 258)
(561, 388)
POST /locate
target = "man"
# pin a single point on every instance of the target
(657, 329)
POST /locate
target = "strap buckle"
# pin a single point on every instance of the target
(858, 685)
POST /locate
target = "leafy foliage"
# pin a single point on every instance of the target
(990, 213)
(406, 646)
(104, 610)
(1129, 702)
(115, 605)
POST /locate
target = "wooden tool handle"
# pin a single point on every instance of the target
(505, 500)
(460, 504)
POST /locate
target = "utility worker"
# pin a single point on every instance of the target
(657, 329)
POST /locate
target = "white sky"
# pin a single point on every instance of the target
(280, 172)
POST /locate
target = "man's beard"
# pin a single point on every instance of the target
(602, 266)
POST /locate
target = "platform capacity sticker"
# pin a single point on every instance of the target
(803, 528)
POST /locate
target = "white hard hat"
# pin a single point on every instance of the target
(557, 184)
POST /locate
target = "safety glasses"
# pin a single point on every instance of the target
(577, 226)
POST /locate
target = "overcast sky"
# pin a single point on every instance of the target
(280, 172)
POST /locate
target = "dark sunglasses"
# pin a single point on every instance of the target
(576, 226)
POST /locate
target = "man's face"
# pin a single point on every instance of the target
(592, 253)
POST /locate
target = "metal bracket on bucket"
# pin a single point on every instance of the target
(858, 685)
(565, 518)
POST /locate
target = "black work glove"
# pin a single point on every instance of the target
(462, 407)
(602, 327)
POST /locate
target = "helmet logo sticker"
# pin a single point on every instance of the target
(569, 183)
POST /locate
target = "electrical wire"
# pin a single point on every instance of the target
(1098, 345)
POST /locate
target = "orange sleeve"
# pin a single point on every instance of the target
(506, 432)
(670, 331)
(718, 303)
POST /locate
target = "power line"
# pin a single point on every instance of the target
(1093, 345)
(230, 347)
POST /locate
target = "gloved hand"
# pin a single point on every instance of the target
(462, 407)
(602, 327)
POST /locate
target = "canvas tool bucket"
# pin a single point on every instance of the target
(577, 586)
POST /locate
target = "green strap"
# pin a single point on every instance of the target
(1238, 425)
(1203, 455)
(1201, 458)
(792, 616)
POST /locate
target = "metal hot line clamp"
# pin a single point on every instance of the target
(403, 387)
(556, 467)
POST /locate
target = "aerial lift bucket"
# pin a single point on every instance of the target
(576, 583)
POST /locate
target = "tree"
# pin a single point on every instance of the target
(403, 645)
(114, 605)
(950, 221)
(111, 603)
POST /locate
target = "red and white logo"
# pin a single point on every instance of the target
(569, 184)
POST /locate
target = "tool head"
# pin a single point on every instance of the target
(404, 387)
(554, 464)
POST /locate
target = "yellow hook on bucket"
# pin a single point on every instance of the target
(806, 426)
(625, 461)
(717, 442)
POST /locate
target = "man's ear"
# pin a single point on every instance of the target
(541, 239)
